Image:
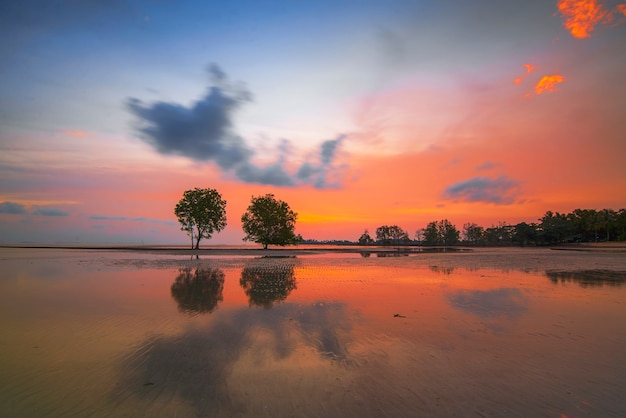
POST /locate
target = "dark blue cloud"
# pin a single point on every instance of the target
(499, 191)
(107, 218)
(273, 174)
(12, 208)
(49, 212)
(201, 131)
(137, 219)
(204, 132)
(319, 174)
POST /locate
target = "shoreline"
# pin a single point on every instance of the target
(606, 247)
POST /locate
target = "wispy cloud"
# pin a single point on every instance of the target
(319, 174)
(499, 191)
(107, 218)
(47, 211)
(135, 219)
(12, 208)
(204, 132)
(487, 165)
(154, 221)
(529, 69)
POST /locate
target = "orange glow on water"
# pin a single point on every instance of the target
(548, 83)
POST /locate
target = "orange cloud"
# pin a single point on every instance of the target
(548, 83)
(582, 16)
(529, 69)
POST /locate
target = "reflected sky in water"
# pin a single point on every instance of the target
(508, 302)
(93, 333)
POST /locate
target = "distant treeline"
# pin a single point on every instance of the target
(581, 225)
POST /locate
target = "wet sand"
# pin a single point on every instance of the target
(145, 332)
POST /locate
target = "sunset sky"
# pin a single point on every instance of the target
(356, 113)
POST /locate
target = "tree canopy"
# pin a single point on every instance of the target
(441, 233)
(388, 235)
(366, 239)
(269, 221)
(201, 212)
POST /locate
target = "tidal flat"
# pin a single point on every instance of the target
(486, 333)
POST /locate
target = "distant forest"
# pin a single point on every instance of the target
(581, 225)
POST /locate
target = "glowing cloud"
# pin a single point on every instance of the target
(582, 16)
(548, 83)
(499, 191)
(529, 69)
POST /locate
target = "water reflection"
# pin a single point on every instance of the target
(198, 365)
(508, 302)
(588, 278)
(393, 254)
(266, 283)
(198, 291)
(447, 270)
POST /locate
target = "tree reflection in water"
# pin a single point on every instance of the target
(589, 278)
(198, 291)
(447, 270)
(266, 282)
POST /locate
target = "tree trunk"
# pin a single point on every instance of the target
(265, 246)
(198, 237)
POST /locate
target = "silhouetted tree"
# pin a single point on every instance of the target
(391, 235)
(607, 220)
(269, 221)
(201, 212)
(473, 233)
(365, 239)
(556, 228)
(501, 234)
(441, 233)
(525, 234)
(620, 224)
(586, 224)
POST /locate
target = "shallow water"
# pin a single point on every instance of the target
(106, 333)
